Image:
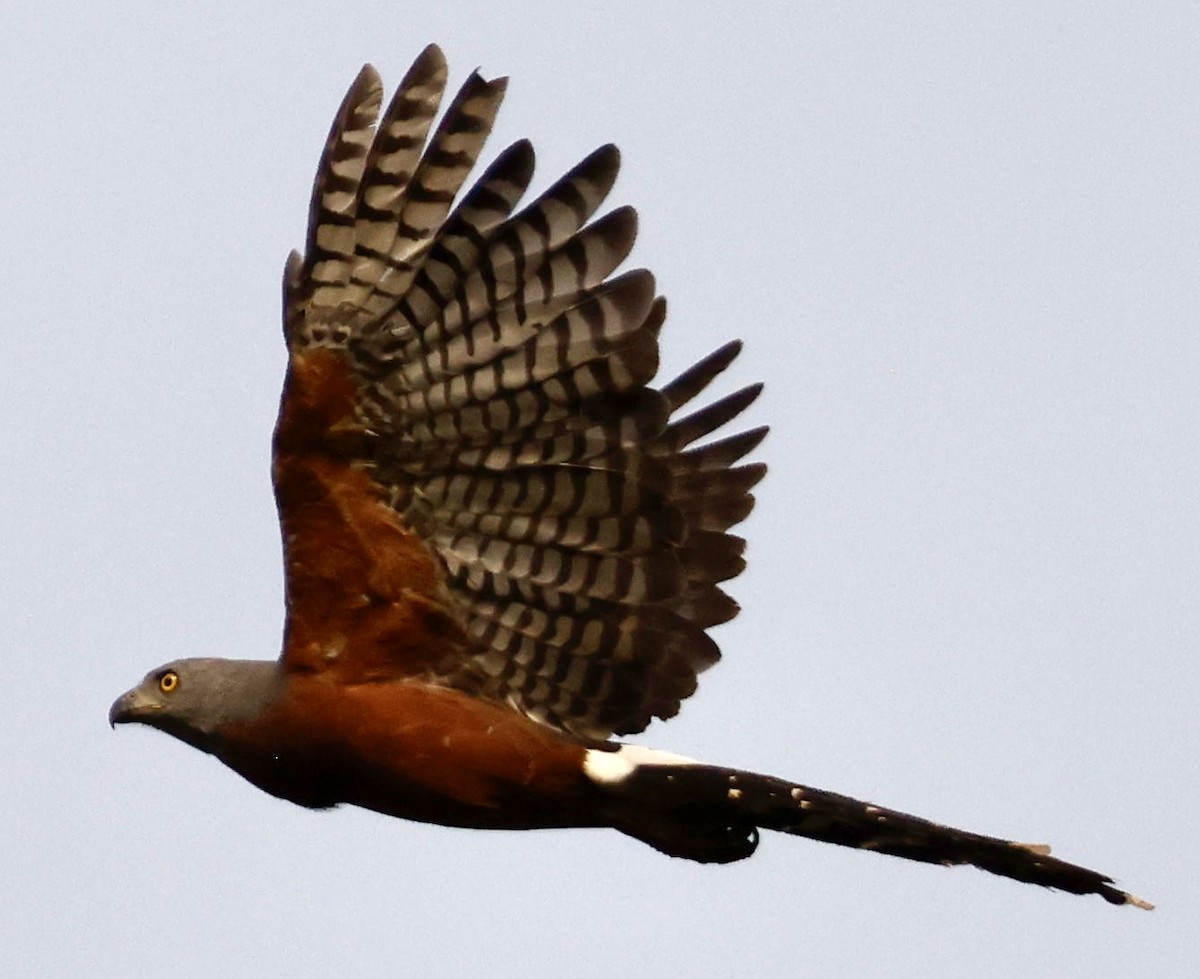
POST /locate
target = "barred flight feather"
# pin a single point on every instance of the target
(539, 445)
(684, 431)
(599, 249)
(600, 490)
(720, 454)
(604, 326)
(637, 535)
(393, 160)
(459, 245)
(444, 166)
(505, 410)
(529, 260)
(644, 579)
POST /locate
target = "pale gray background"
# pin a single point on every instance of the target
(961, 242)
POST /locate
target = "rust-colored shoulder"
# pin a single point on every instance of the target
(363, 593)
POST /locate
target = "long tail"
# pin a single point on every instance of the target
(713, 815)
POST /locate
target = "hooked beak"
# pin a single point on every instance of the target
(132, 707)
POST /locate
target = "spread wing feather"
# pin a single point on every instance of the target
(469, 426)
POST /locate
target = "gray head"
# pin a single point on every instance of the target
(193, 699)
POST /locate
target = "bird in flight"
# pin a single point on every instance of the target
(503, 547)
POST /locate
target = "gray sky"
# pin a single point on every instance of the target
(961, 244)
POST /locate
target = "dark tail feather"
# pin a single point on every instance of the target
(713, 814)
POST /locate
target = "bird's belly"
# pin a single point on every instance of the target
(416, 752)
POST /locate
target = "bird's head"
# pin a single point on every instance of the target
(192, 699)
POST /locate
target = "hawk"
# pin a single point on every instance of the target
(503, 546)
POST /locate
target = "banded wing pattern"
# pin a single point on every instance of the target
(503, 407)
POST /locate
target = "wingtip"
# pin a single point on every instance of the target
(497, 85)
(367, 81)
(432, 52)
(608, 155)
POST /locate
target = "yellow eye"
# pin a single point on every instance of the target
(168, 681)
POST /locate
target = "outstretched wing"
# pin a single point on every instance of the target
(476, 483)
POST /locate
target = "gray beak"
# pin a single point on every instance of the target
(132, 707)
